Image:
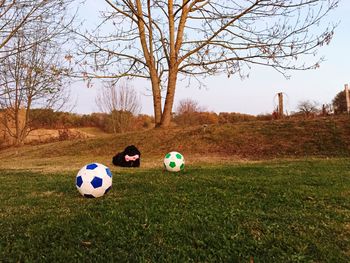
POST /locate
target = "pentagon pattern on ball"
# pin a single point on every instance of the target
(96, 182)
(109, 172)
(91, 166)
(178, 156)
(172, 164)
(79, 181)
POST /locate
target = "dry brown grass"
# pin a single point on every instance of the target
(26, 159)
(216, 144)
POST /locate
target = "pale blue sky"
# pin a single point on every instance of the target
(254, 95)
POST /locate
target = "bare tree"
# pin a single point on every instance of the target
(188, 106)
(121, 102)
(18, 14)
(189, 112)
(35, 76)
(308, 108)
(163, 40)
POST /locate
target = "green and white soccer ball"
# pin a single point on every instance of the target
(174, 162)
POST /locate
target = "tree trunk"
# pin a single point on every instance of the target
(169, 101)
(16, 121)
(21, 125)
(157, 99)
(173, 69)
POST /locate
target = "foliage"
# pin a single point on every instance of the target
(50, 119)
(272, 212)
(191, 116)
(339, 103)
(142, 121)
(195, 118)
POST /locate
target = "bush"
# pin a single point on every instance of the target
(196, 118)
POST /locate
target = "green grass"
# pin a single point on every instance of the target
(290, 211)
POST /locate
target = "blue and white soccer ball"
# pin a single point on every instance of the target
(94, 180)
(174, 162)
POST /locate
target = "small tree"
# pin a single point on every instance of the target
(308, 108)
(339, 103)
(121, 102)
(188, 112)
(188, 106)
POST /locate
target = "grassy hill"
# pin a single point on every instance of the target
(254, 140)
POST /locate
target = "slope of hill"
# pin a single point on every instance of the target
(327, 137)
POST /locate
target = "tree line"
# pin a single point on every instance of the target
(50, 119)
(188, 112)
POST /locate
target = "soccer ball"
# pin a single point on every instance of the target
(174, 162)
(94, 180)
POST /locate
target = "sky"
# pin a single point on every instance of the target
(254, 95)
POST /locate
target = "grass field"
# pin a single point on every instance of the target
(274, 211)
